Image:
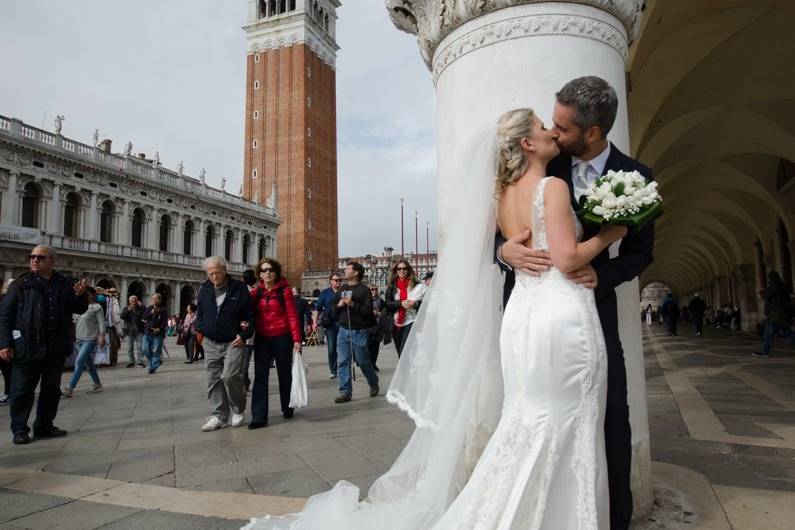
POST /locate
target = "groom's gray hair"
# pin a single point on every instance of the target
(595, 102)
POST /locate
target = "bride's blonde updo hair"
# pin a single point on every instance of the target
(512, 163)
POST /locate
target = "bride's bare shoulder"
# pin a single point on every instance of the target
(555, 187)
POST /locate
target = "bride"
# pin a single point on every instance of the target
(533, 456)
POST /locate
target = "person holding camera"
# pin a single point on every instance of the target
(326, 316)
(278, 336)
(354, 305)
(133, 329)
(155, 321)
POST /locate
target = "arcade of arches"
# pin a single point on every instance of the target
(712, 112)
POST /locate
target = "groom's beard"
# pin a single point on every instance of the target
(577, 148)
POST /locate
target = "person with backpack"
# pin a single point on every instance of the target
(325, 316)
(277, 337)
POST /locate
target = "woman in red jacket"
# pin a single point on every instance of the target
(277, 336)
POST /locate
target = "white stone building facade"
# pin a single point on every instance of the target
(120, 220)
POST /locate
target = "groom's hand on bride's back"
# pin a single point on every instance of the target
(519, 257)
(585, 276)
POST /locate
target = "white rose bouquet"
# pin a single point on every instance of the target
(621, 197)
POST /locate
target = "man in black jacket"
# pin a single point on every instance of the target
(225, 316)
(584, 112)
(37, 334)
(697, 307)
(354, 305)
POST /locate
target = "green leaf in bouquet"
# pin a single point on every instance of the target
(618, 189)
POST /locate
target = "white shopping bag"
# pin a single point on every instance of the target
(101, 354)
(299, 395)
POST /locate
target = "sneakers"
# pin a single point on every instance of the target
(760, 354)
(342, 398)
(212, 424)
(95, 389)
(237, 419)
(5, 399)
(140, 364)
(332, 376)
(66, 391)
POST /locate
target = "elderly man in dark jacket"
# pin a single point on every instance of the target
(36, 333)
(226, 318)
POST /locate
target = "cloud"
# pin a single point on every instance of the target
(169, 76)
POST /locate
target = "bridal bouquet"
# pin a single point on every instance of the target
(621, 197)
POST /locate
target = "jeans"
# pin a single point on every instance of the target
(152, 349)
(331, 343)
(672, 325)
(353, 341)
(698, 321)
(83, 361)
(24, 378)
(224, 381)
(133, 345)
(771, 330)
(190, 338)
(267, 349)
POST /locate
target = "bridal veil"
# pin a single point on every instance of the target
(448, 379)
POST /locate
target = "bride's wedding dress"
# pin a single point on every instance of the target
(544, 467)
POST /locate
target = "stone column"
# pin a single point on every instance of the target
(54, 222)
(124, 230)
(178, 234)
(237, 246)
(11, 200)
(124, 284)
(747, 297)
(490, 57)
(92, 224)
(152, 232)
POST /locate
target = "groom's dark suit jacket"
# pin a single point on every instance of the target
(634, 255)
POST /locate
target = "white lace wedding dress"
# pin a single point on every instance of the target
(544, 467)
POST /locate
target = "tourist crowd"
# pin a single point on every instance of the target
(49, 322)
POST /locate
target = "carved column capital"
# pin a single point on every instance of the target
(433, 20)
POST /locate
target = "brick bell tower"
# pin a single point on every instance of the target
(291, 127)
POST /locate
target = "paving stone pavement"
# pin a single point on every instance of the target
(713, 409)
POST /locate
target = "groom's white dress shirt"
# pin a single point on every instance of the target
(583, 173)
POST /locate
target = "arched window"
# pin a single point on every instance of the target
(187, 238)
(137, 228)
(246, 244)
(209, 235)
(165, 228)
(325, 22)
(228, 245)
(282, 6)
(30, 205)
(292, 5)
(261, 248)
(271, 8)
(106, 221)
(71, 214)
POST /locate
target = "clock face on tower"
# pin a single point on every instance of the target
(290, 133)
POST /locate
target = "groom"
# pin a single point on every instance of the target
(584, 112)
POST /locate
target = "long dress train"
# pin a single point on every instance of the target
(544, 467)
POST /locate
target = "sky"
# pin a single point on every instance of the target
(169, 76)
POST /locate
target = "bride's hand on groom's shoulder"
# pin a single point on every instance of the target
(585, 276)
(519, 257)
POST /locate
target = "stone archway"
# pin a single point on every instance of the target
(136, 288)
(186, 296)
(166, 296)
(107, 283)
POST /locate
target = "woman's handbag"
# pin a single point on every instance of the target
(299, 394)
(182, 338)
